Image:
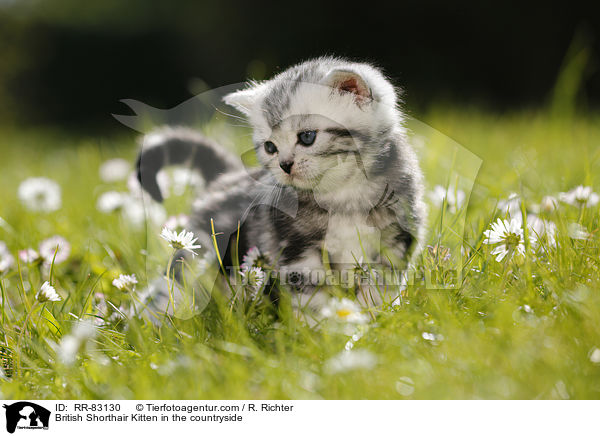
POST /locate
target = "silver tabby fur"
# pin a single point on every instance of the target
(356, 192)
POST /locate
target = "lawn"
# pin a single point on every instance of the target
(522, 327)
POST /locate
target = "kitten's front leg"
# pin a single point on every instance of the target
(304, 279)
(394, 216)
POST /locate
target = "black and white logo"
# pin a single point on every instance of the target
(26, 415)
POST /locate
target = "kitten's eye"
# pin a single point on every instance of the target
(307, 137)
(270, 147)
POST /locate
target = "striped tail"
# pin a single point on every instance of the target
(181, 146)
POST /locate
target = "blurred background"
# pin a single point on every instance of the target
(67, 63)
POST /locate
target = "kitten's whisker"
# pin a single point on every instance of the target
(222, 112)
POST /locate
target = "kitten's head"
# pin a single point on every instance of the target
(321, 123)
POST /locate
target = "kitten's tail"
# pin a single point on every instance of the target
(177, 146)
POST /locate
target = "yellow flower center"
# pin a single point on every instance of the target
(343, 313)
(511, 240)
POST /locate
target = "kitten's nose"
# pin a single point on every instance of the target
(286, 166)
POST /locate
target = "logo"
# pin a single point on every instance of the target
(26, 415)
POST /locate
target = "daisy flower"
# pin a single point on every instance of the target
(114, 170)
(548, 204)
(136, 190)
(135, 210)
(125, 282)
(253, 258)
(254, 278)
(177, 222)
(54, 244)
(70, 344)
(29, 255)
(250, 257)
(595, 355)
(428, 336)
(40, 194)
(454, 198)
(182, 241)
(511, 206)
(6, 261)
(351, 360)
(581, 196)
(47, 293)
(344, 310)
(540, 228)
(508, 238)
(111, 201)
(577, 231)
(184, 178)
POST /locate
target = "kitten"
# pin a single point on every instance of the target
(337, 181)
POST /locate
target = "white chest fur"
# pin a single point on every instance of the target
(349, 238)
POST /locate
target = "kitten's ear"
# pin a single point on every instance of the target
(242, 100)
(349, 81)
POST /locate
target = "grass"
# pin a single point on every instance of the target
(512, 330)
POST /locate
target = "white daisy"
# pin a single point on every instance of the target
(40, 194)
(540, 228)
(428, 336)
(136, 190)
(6, 259)
(177, 222)
(125, 282)
(254, 278)
(581, 196)
(512, 205)
(70, 344)
(136, 210)
(182, 241)
(54, 244)
(454, 198)
(184, 178)
(134, 186)
(351, 360)
(156, 213)
(114, 170)
(133, 211)
(344, 310)
(508, 235)
(577, 231)
(29, 255)
(6, 262)
(250, 259)
(111, 201)
(548, 204)
(47, 293)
